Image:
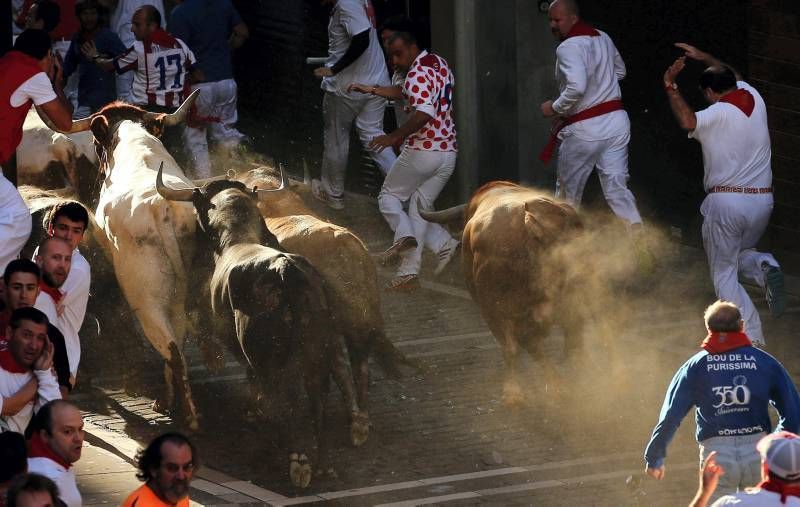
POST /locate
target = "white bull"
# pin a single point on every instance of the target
(148, 239)
(43, 152)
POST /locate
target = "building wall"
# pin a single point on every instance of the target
(774, 62)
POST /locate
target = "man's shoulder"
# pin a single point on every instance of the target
(45, 466)
(143, 496)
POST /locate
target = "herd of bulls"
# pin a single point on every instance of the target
(295, 298)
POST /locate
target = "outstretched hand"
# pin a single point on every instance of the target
(360, 88)
(692, 52)
(672, 72)
(710, 474)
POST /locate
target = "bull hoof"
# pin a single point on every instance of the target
(299, 470)
(161, 406)
(359, 428)
(512, 396)
(192, 423)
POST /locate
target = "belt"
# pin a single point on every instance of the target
(596, 110)
(739, 190)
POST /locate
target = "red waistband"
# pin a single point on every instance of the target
(591, 112)
(739, 190)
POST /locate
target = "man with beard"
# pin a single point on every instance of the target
(55, 444)
(54, 259)
(22, 278)
(69, 220)
(167, 466)
(25, 368)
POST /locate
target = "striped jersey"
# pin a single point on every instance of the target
(162, 63)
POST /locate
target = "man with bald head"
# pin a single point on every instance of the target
(731, 384)
(589, 120)
(737, 161)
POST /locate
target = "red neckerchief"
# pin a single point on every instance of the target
(8, 363)
(162, 38)
(717, 343)
(782, 488)
(742, 99)
(38, 448)
(581, 28)
(51, 291)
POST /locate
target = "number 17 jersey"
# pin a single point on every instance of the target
(162, 63)
(429, 88)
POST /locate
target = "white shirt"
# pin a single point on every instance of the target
(756, 497)
(349, 18)
(120, 21)
(76, 296)
(736, 147)
(64, 479)
(38, 89)
(588, 70)
(11, 383)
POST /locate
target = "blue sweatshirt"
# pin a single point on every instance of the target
(732, 392)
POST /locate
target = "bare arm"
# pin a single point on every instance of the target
(414, 123)
(387, 92)
(709, 479)
(706, 58)
(680, 109)
(13, 404)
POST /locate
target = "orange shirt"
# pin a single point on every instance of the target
(143, 496)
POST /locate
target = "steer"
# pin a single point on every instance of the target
(149, 240)
(345, 264)
(513, 237)
(280, 311)
(52, 160)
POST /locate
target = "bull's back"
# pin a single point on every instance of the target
(343, 262)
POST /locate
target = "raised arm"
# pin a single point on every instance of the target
(706, 58)
(680, 109)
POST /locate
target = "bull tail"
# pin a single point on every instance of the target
(444, 216)
(389, 357)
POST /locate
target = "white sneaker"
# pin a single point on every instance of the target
(317, 191)
(446, 254)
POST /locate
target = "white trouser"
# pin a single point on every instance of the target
(577, 158)
(418, 177)
(216, 108)
(339, 113)
(740, 459)
(732, 225)
(15, 223)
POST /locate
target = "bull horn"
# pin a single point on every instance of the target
(444, 216)
(306, 173)
(171, 194)
(77, 125)
(284, 183)
(180, 114)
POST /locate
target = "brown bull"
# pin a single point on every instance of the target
(511, 243)
(347, 268)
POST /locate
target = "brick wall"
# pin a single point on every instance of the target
(774, 65)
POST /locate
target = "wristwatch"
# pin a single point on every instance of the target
(671, 86)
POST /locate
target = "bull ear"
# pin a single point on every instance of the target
(99, 127)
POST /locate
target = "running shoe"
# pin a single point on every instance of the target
(446, 254)
(776, 289)
(393, 253)
(317, 191)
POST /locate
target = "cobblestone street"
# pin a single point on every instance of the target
(442, 435)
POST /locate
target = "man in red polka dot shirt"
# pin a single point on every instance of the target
(427, 160)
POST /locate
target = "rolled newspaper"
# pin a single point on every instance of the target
(316, 60)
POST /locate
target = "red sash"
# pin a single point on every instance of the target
(8, 363)
(717, 343)
(591, 112)
(38, 448)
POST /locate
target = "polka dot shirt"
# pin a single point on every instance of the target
(429, 88)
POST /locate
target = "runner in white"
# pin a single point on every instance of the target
(737, 156)
(426, 162)
(355, 56)
(595, 130)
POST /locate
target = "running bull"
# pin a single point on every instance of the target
(351, 282)
(280, 310)
(512, 260)
(149, 240)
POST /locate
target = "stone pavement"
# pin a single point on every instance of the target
(441, 434)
